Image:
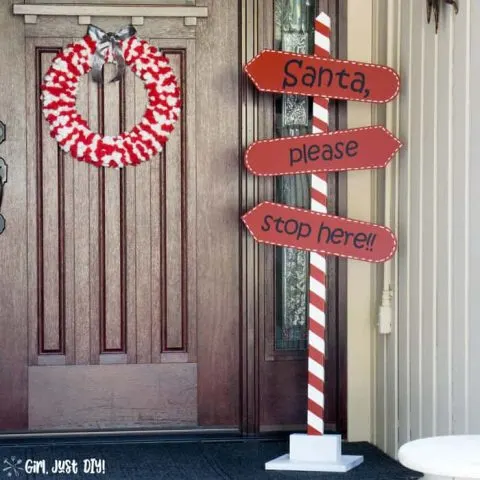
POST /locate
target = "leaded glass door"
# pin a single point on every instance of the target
(293, 33)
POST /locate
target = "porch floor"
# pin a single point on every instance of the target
(194, 460)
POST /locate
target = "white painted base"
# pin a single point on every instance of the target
(315, 453)
(346, 463)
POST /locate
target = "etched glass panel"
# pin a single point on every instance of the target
(294, 33)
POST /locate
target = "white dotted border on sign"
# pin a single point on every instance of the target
(320, 135)
(323, 215)
(328, 60)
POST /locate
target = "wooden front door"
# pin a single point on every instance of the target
(119, 290)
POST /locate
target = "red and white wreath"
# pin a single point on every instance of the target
(72, 132)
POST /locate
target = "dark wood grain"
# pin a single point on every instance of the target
(94, 256)
(145, 244)
(283, 404)
(13, 251)
(123, 225)
(50, 197)
(164, 307)
(175, 221)
(81, 239)
(159, 290)
(256, 293)
(342, 271)
(102, 300)
(218, 216)
(112, 226)
(112, 396)
(86, 245)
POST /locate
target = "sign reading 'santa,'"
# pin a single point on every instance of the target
(294, 73)
(354, 149)
(286, 226)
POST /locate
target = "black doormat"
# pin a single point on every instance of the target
(181, 461)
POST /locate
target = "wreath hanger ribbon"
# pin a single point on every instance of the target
(106, 41)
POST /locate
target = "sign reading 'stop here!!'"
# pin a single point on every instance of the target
(287, 226)
(292, 73)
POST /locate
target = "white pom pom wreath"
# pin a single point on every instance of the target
(71, 131)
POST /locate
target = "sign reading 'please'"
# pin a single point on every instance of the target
(354, 149)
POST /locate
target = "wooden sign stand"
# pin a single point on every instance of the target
(314, 230)
(315, 451)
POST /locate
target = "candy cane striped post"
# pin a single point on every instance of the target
(315, 451)
(318, 264)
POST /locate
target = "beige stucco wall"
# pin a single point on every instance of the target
(361, 275)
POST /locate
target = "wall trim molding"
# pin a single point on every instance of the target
(137, 13)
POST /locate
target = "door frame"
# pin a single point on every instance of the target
(256, 293)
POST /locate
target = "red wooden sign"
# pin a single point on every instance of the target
(285, 72)
(318, 232)
(355, 149)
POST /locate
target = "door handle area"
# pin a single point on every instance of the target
(3, 181)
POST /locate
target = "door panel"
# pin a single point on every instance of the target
(120, 333)
(112, 396)
(103, 247)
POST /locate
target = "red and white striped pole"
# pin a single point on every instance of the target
(318, 264)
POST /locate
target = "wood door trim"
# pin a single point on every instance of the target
(13, 251)
(256, 123)
(84, 13)
(218, 269)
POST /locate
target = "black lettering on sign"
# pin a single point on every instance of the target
(371, 241)
(295, 155)
(324, 229)
(313, 151)
(347, 235)
(309, 77)
(352, 148)
(358, 85)
(290, 226)
(338, 236)
(293, 227)
(360, 240)
(326, 235)
(289, 74)
(325, 151)
(266, 226)
(341, 74)
(324, 76)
